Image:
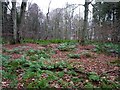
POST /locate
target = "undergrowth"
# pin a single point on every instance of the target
(46, 42)
(36, 68)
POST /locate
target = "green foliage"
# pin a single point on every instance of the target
(13, 84)
(63, 83)
(77, 56)
(31, 52)
(106, 48)
(28, 74)
(37, 55)
(76, 79)
(8, 75)
(4, 50)
(37, 70)
(72, 72)
(74, 56)
(105, 83)
(99, 48)
(33, 57)
(69, 66)
(66, 46)
(32, 85)
(89, 86)
(86, 54)
(60, 74)
(17, 63)
(5, 59)
(46, 42)
(106, 86)
(93, 76)
(15, 50)
(43, 83)
(51, 76)
(2, 41)
(116, 62)
(61, 64)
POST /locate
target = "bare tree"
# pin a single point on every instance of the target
(47, 20)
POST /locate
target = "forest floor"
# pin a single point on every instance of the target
(57, 66)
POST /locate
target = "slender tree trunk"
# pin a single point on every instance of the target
(118, 39)
(4, 17)
(0, 18)
(119, 50)
(85, 23)
(0, 37)
(21, 19)
(14, 21)
(79, 29)
(47, 22)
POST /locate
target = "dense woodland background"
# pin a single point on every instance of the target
(61, 23)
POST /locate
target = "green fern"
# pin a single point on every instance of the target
(93, 76)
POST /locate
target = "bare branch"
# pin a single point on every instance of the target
(49, 8)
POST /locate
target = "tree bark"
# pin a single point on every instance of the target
(85, 23)
(119, 50)
(4, 16)
(21, 19)
(47, 22)
(0, 18)
(119, 40)
(14, 21)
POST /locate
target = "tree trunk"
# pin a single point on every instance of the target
(118, 39)
(119, 50)
(0, 18)
(14, 21)
(4, 18)
(0, 37)
(21, 19)
(85, 23)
